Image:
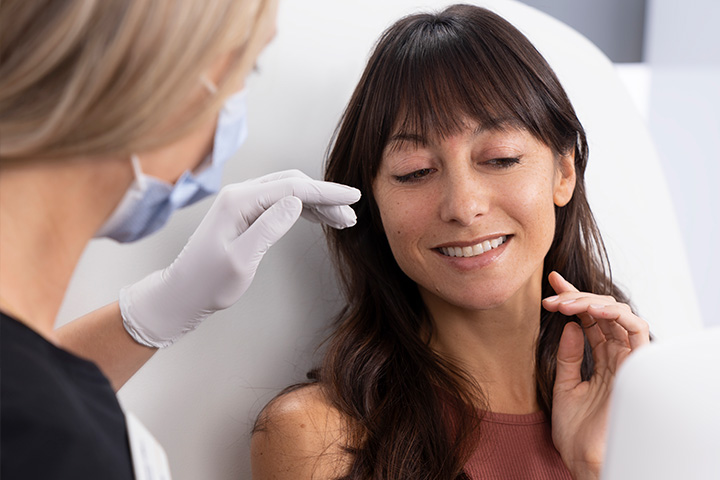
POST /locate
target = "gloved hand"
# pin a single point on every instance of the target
(220, 259)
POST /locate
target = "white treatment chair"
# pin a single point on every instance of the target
(200, 397)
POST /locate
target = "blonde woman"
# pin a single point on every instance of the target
(113, 114)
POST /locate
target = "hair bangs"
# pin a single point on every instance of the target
(448, 73)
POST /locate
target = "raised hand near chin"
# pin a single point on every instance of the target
(580, 408)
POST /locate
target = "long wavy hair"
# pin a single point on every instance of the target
(427, 74)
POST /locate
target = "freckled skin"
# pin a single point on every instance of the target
(462, 194)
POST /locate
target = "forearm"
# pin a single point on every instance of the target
(101, 338)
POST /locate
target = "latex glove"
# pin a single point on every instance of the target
(220, 259)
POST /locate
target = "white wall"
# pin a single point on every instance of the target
(615, 26)
(683, 54)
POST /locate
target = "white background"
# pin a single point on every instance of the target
(683, 57)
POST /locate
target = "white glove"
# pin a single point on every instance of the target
(220, 259)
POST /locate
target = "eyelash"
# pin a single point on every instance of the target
(503, 163)
(417, 175)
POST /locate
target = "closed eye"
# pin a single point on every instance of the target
(502, 163)
(415, 176)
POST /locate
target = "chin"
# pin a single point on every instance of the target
(473, 300)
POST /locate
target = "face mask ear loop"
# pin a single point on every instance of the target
(137, 171)
(209, 84)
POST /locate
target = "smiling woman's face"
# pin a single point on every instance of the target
(471, 217)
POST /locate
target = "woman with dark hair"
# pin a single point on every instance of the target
(482, 328)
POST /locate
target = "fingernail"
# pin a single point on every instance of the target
(599, 307)
(567, 302)
(552, 299)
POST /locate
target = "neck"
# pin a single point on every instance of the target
(497, 347)
(49, 210)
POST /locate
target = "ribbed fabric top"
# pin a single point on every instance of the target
(516, 447)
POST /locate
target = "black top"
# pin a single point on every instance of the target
(59, 416)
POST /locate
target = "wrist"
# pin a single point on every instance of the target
(152, 315)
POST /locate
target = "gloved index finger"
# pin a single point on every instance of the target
(336, 216)
(271, 177)
(309, 191)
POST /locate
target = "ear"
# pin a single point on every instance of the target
(564, 180)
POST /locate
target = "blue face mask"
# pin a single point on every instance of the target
(149, 202)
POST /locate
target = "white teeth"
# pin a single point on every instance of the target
(475, 250)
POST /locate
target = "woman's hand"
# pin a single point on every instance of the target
(580, 409)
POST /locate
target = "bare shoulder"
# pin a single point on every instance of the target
(300, 435)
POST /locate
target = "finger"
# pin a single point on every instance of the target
(606, 316)
(312, 192)
(245, 202)
(581, 306)
(555, 302)
(569, 357)
(566, 292)
(559, 284)
(271, 177)
(578, 303)
(575, 303)
(248, 249)
(597, 328)
(569, 304)
(268, 192)
(634, 329)
(336, 216)
(596, 337)
(301, 176)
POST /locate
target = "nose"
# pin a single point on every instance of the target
(465, 198)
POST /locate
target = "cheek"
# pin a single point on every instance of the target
(398, 224)
(531, 204)
(404, 222)
(540, 213)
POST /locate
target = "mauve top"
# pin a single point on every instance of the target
(516, 447)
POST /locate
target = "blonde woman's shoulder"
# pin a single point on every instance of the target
(300, 435)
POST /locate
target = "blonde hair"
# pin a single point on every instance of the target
(100, 77)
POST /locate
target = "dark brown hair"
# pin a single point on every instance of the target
(428, 72)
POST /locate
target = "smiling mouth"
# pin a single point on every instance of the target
(474, 250)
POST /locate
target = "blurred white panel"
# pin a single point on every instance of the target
(663, 419)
